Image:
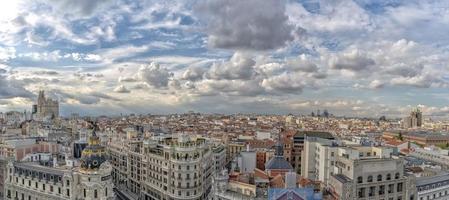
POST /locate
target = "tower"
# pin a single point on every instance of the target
(277, 164)
(95, 171)
(46, 107)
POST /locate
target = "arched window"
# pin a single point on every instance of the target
(379, 177)
(359, 179)
(396, 176)
(370, 179)
(388, 176)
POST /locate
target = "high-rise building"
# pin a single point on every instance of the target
(298, 146)
(45, 107)
(414, 120)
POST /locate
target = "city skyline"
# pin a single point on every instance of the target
(353, 58)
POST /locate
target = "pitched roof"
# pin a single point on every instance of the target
(278, 162)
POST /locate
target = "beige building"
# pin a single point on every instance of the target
(34, 181)
(165, 167)
(357, 172)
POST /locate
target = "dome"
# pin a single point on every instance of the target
(94, 154)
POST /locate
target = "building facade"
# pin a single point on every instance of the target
(356, 172)
(34, 181)
(165, 167)
(433, 187)
(414, 120)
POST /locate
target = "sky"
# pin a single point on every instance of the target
(363, 58)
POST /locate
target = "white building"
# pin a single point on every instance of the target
(432, 154)
(433, 187)
(356, 172)
(263, 135)
(164, 167)
(247, 161)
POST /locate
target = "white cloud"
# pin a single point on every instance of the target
(121, 89)
(154, 75)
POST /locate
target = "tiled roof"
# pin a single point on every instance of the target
(278, 162)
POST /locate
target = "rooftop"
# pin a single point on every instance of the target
(421, 181)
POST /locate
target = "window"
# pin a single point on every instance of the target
(390, 188)
(382, 190)
(379, 177)
(84, 193)
(359, 179)
(68, 192)
(371, 191)
(399, 188)
(370, 179)
(95, 194)
(106, 192)
(396, 176)
(388, 177)
(361, 193)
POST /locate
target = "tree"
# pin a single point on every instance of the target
(400, 136)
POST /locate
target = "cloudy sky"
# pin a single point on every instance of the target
(352, 57)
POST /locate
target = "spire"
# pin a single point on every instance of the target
(41, 97)
(279, 147)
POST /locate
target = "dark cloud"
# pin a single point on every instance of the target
(46, 73)
(302, 65)
(248, 25)
(10, 88)
(404, 70)
(353, 61)
(87, 98)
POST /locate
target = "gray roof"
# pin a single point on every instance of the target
(342, 178)
(278, 162)
(441, 178)
(318, 134)
(36, 167)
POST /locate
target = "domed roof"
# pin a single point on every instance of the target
(94, 154)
